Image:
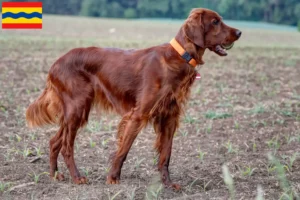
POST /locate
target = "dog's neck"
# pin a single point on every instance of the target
(195, 51)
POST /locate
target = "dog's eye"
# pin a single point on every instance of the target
(215, 22)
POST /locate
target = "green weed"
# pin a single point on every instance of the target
(288, 191)
(216, 115)
(153, 193)
(290, 160)
(36, 177)
(138, 163)
(114, 196)
(230, 148)
(4, 186)
(189, 119)
(201, 154)
(209, 128)
(248, 171)
(92, 143)
(228, 180)
(274, 143)
(94, 126)
(259, 109)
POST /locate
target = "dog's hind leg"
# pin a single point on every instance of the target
(165, 128)
(68, 152)
(72, 124)
(55, 147)
(76, 116)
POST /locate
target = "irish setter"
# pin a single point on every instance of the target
(144, 86)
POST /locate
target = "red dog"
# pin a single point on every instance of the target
(144, 86)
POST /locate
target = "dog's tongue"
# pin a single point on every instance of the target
(198, 76)
(219, 50)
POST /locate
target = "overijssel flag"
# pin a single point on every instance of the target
(22, 15)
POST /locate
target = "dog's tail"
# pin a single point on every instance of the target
(47, 109)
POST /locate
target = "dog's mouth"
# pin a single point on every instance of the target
(222, 48)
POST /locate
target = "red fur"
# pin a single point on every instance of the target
(147, 85)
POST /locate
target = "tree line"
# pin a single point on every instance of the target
(275, 11)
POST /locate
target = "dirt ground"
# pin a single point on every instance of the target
(245, 107)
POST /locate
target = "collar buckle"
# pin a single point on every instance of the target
(186, 56)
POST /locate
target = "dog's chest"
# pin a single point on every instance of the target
(173, 101)
(182, 92)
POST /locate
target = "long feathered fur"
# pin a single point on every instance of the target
(47, 109)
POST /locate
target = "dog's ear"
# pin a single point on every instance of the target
(194, 29)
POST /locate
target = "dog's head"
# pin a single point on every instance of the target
(206, 29)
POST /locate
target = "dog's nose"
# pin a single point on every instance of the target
(238, 33)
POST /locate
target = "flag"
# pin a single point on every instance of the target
(22, 15)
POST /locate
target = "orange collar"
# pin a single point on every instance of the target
(184, 54)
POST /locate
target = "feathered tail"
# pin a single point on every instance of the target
(47, 109)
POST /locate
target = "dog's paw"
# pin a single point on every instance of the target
(175, 186)
(80, 180)
(110, 180)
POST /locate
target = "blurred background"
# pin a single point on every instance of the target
(274, 11)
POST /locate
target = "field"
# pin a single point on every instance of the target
(244, 114)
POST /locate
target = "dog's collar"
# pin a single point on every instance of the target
(184, 54)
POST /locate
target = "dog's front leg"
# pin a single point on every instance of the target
(129, 128)
(165, 128)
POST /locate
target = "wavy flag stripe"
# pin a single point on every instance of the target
(22, 21)
(21, 14)
(18, 10)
